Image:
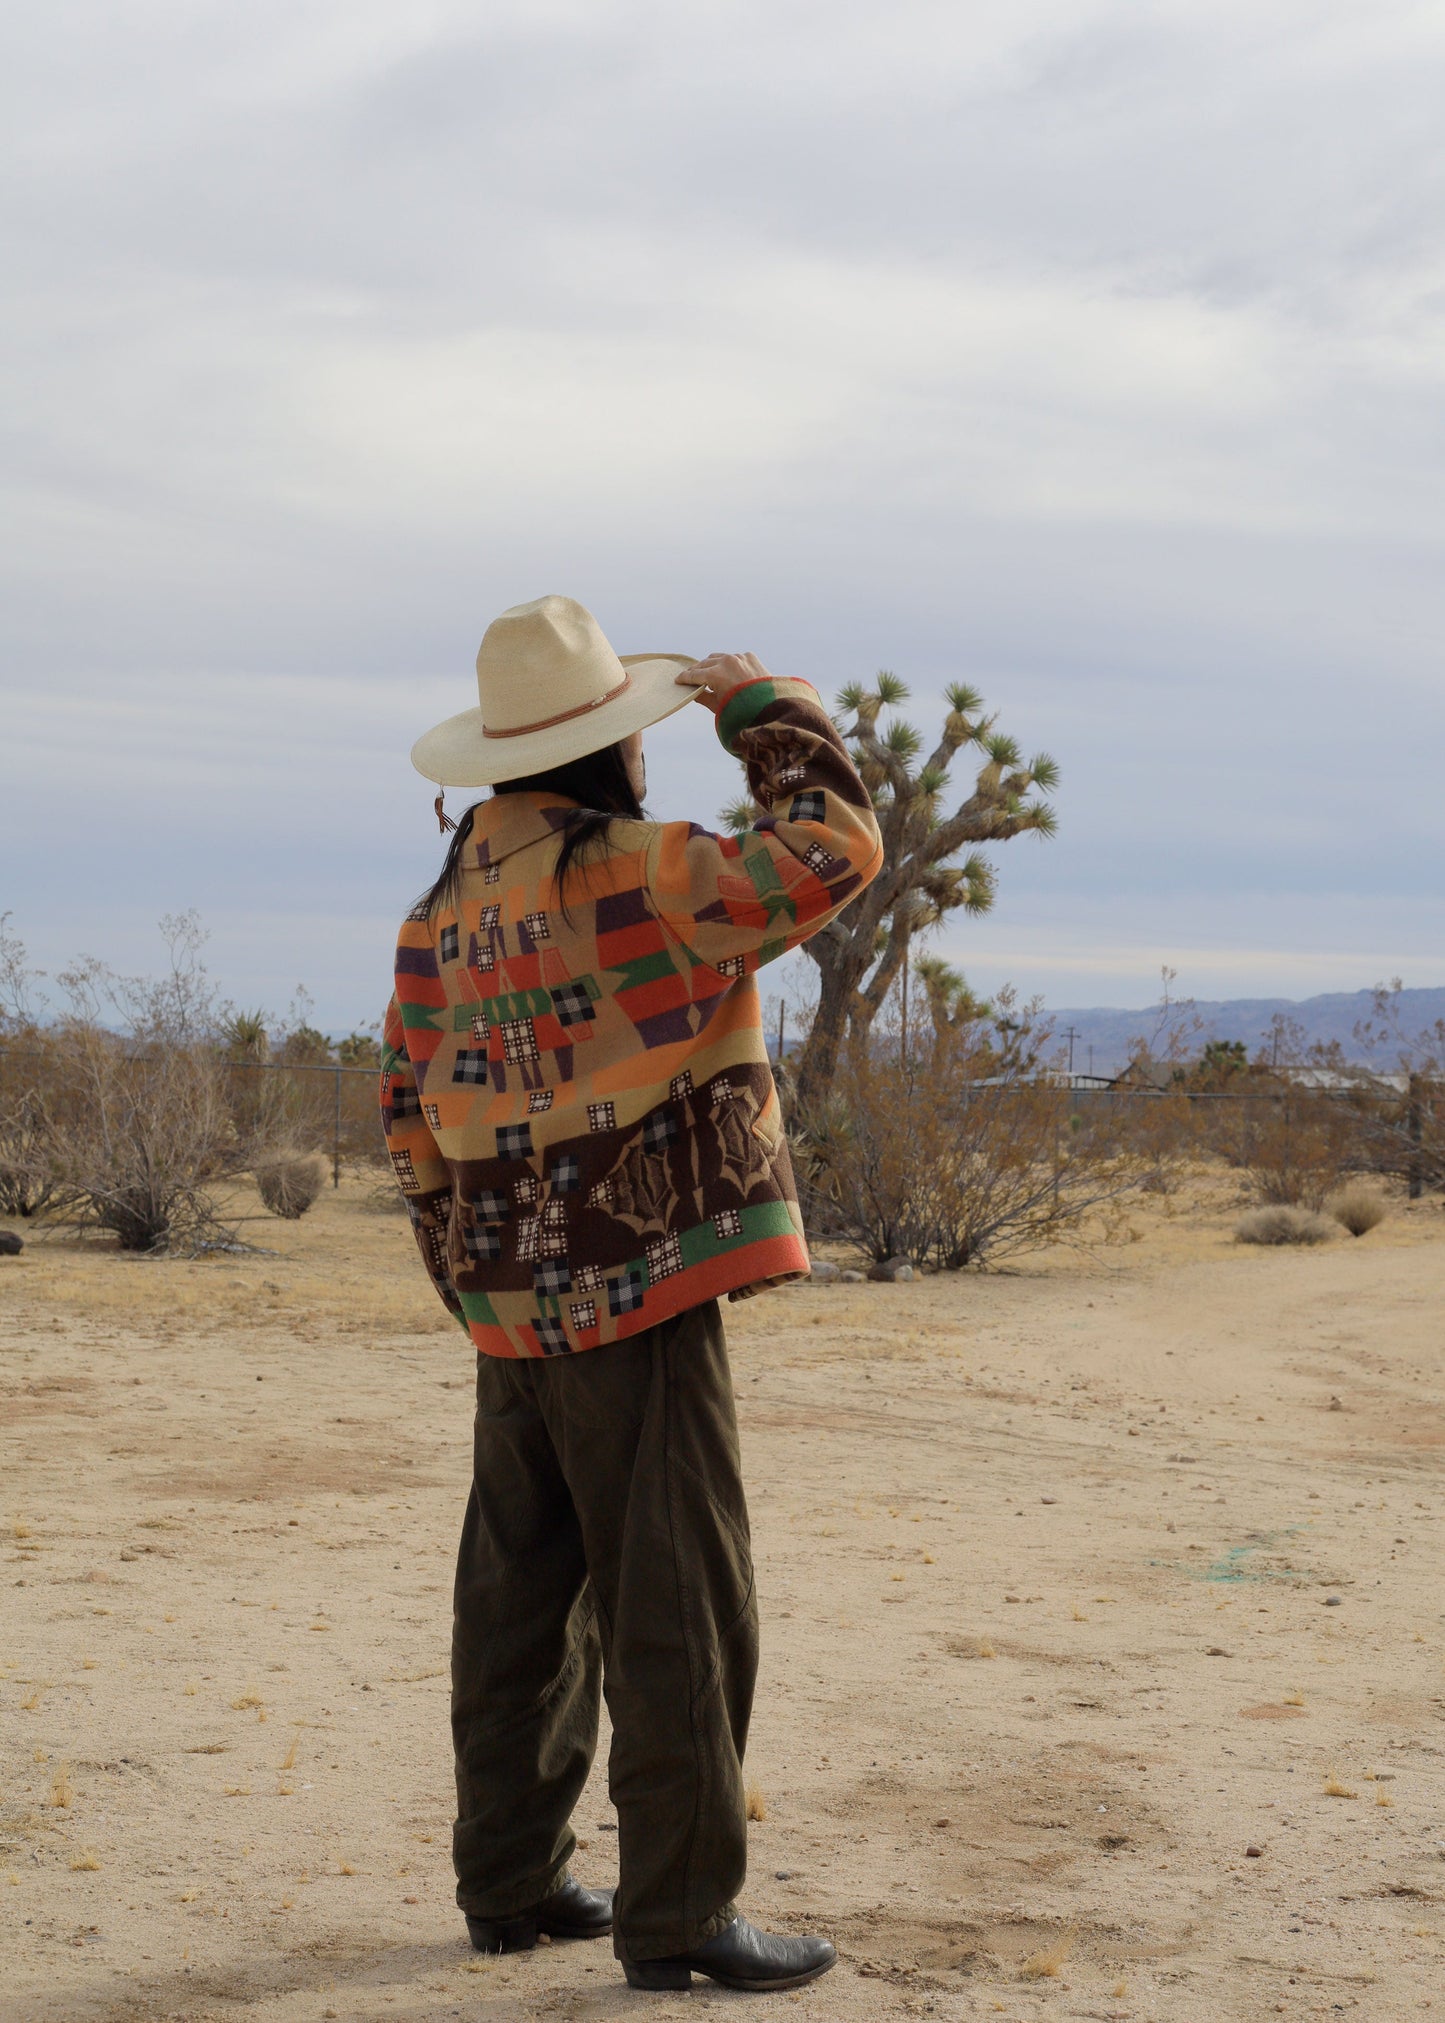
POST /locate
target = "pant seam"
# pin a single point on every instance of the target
(702, 1786)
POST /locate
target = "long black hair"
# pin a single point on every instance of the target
(600, 785)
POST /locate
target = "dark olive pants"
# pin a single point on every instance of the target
(606, 1549)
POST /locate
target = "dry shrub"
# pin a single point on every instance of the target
(290, 1183)
(1409, 1133)
(957, 1151)
(1357, 1208)
(28, 1183)
(1047, 1964)
(142, 1138)
(135, 1122)
(1295, 1144)
(146, 1135)
(1281, 1223)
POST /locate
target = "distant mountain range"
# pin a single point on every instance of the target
(1333, 1016)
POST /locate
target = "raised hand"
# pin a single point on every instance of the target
(715, 678)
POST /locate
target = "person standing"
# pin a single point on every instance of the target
(581, 1116)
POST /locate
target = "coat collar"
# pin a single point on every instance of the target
(508, 822)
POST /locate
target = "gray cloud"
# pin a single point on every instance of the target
(1093, 353)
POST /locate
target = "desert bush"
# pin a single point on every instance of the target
(1296, 1144)
(1283, 1223)
(1149, 1111)
(955, 1151)
(28, 1184)
(1409, 1118)
(1357, 1208)
(1297, 1120)
(143, 1138)
(289, 1183)
(136, 1121)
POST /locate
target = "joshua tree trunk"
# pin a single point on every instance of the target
(860, 954)
(842, 967)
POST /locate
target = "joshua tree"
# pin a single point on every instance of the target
(950, 1003)
(860, 954)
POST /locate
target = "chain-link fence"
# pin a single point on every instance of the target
(73, 1095)
(1292, 1139)
(315, 1106)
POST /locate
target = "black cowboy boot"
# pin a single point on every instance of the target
(740, 1957)
(571, 1912)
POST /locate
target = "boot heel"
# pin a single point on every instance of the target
(671, 1975)
(502, 1935)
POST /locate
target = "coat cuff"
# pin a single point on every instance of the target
(747, 703)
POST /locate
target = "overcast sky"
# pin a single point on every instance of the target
(1093, 353)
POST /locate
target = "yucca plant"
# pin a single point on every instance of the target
(925, 874)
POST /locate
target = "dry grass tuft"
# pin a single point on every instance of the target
(1281, 1223)
(345, 1868)
(62, 1791)
(250, 1698)
(757, 1804)
(1357, 1208)
(1045, 1965)
(288, 1761)
(289, 1185)
(30, 1704)
(1334, 1788)
(85, 1859)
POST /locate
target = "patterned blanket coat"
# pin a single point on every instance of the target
(578, 1102)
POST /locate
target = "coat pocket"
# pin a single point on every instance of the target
(767, 1126)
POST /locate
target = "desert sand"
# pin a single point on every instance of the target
(1079, 1581)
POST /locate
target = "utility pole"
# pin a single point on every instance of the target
(1070, 1035)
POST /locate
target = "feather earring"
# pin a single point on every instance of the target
(444, 820)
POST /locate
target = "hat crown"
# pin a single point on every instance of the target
(543, 661)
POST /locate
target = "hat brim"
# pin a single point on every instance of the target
(458, 753)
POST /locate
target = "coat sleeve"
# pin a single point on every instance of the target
(421, 1172)
(736, 902)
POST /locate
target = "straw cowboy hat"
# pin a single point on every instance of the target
(551, 689)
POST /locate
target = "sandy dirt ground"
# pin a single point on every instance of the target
(1078, 1583)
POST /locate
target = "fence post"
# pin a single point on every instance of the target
(336, 1134)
